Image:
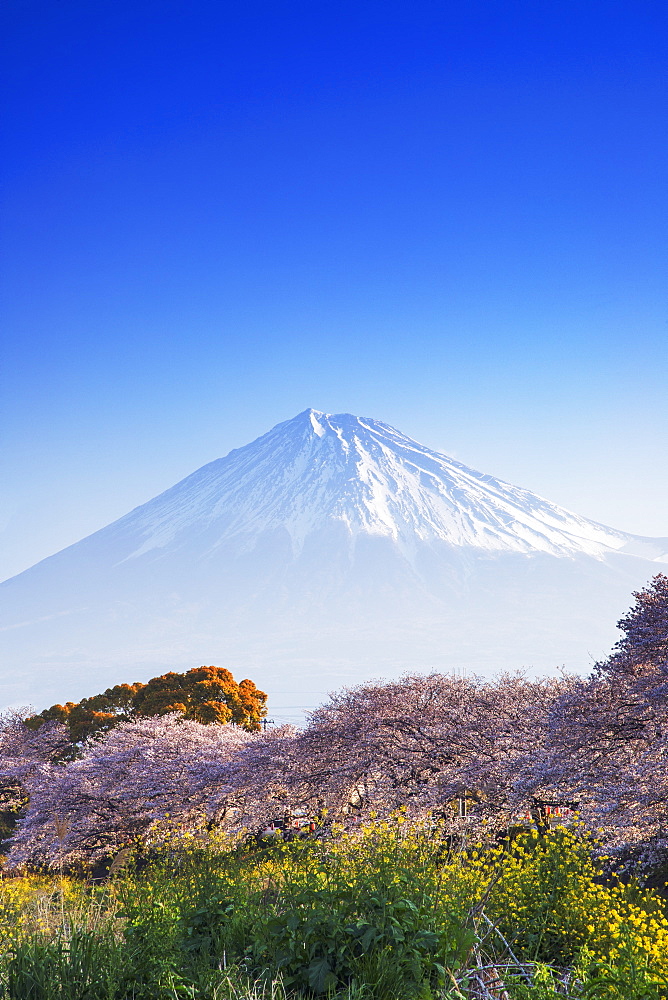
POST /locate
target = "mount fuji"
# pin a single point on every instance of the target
(330, 550)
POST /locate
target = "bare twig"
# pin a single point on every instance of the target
(508, 948)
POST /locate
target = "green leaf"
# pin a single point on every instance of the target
(320, 976)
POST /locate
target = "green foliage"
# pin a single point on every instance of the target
(328, 940)
(319, 917)
(384, 914)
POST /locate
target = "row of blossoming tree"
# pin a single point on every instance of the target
(419, 744)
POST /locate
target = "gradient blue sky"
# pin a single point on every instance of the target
(449, 216)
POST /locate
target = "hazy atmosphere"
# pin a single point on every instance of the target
(449, 217)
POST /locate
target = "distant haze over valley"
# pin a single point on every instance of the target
(331, 550)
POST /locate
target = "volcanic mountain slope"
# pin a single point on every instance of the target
(332, 549)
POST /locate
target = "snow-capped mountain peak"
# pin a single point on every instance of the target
(332, 549)
(318, 469)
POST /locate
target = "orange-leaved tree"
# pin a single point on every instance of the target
(204, 694)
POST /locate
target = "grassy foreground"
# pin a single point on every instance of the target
(385, 914)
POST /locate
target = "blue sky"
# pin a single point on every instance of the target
(449, 216)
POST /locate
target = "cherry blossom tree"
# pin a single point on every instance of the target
(607, 739)
(417, 744)
(606, 748)
(23, 753)
(139, 776)
(645, 628)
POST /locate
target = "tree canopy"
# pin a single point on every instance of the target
(204, 694)
(505, 745)
(136, 778)
(645, 627)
